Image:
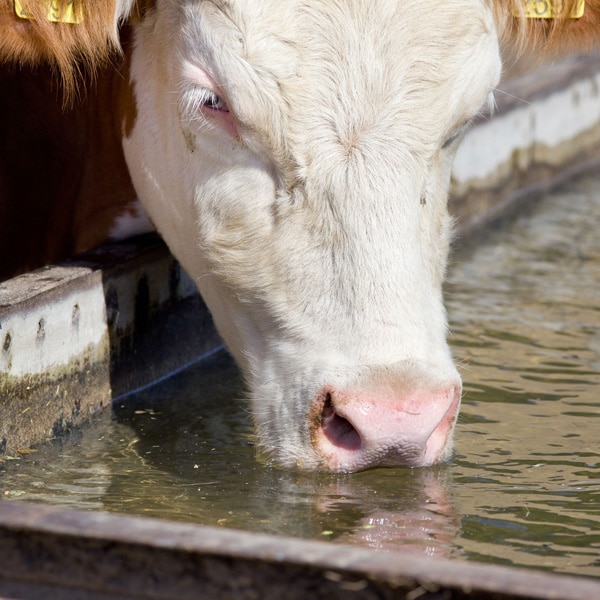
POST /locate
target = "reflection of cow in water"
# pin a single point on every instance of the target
(295, 157)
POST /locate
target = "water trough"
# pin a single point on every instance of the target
(75, 336)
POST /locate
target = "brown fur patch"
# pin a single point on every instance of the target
(547, 36)
(63, 176)
(127, 99)
(68, 48)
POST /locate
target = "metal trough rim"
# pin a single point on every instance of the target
(39, 542)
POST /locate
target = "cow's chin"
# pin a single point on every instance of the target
(391, 417)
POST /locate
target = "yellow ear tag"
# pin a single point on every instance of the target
(54, 13)
(549, 9)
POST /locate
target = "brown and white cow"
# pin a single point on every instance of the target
(296, 158)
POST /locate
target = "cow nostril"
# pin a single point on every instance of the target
(339, 431)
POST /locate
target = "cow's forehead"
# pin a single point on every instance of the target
(435, 28)
(338, 68)
(392, 70)
(393, 43)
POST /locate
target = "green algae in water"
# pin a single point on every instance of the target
(523, 489)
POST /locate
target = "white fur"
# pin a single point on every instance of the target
(133, 221)
(318, 235)
(123, 10)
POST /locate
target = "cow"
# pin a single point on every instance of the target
(296, 156)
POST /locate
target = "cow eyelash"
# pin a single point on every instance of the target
(456, 134)
(195, 99)
(450, 140)
(212, 101)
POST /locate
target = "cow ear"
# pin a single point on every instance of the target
(74, 37)
(547, 26)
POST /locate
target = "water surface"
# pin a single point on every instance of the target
(523, 489)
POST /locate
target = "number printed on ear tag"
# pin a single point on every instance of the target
(549, 9)
(68, 13)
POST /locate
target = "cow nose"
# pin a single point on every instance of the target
(338, 430)
(352, 430)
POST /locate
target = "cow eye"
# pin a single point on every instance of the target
(213, 101)
(450, 140)
(457, 134)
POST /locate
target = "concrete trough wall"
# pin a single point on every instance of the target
(75, 336)
(545, 130)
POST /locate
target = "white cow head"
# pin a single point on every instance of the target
(296, 158)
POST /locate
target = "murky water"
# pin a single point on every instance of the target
(524, 488)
